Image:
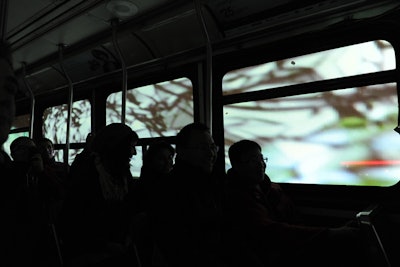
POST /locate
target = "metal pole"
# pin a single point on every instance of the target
(3, 19)
(114, 24)
(32, 98)
(69, 104)
(209, 79)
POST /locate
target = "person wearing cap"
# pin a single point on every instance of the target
(95, 219)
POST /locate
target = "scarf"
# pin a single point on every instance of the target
(111, 188)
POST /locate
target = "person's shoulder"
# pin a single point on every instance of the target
(179, 175)
(6, 167)
(166, 181)
(276, 186)
(83, 172)
(5, 159)
(59, 164)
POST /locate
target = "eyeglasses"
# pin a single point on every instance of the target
(255, 160)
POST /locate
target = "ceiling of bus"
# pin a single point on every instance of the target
(80, 32)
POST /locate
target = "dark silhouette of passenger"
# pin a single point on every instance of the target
(96, 216)
(26, 202)
(83, 156)
(20, 206)
(46, 149)
(187, 217)
(57, 172)
(158, 159)
(157, 163)
(261, 218)
(23, 198)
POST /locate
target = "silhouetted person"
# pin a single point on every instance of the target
(57, 172)
(97, 212)
(157, 163)
(28, 191)
(46, 149)
(20, 208)
(261, 219)
(187, 219)
(83, 156)
(20, 205)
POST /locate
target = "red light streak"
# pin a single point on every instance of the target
(371, 162)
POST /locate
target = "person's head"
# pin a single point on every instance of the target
(247, 160)
(8, 89)
(22, 149)
(195, 147)
(159, 157)
(115, 144)
(46, 149)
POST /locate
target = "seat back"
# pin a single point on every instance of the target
(378, 256)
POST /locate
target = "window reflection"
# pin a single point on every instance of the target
(55, 122)
(338, 137)
(156, 110)
(368, 57)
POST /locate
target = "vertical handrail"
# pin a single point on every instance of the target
(57, 242)
(209, 78)
(114, 24)
(3, 19)
(70, 99)
(32, 98)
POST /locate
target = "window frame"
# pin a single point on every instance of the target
(252, 58)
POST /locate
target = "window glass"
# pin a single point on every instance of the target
(55, 122)
(11, 138)
(154, 110)
(368, 57)
(19, 127)
(136, 162)
(59, 155)
(340, 137)
(22, 121)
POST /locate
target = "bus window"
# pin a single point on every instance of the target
(55, 122)
(59, 154)
(20, 127)
(342, 137)
(55, 125)
(368, 57)
(136, 162)
(11, 138)
(21, 122)
(153, 111)
(156, 110)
